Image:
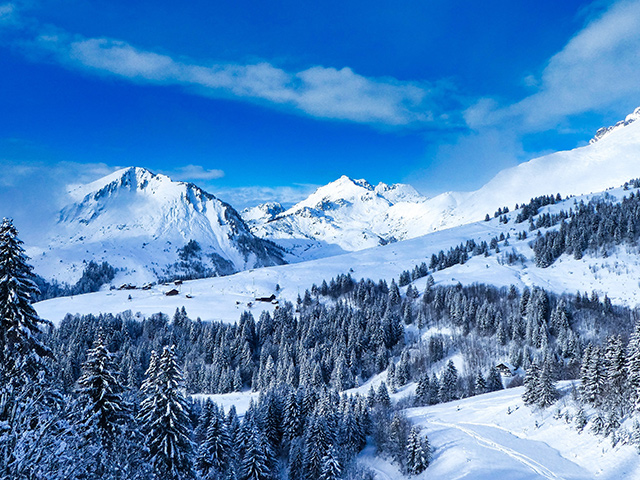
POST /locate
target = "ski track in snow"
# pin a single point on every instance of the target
(537, 467)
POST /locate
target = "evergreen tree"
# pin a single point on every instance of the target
(449, 383)
(331, 468)
(22, 354)
(481, 384)
(417, 453)
(215, 451)
(105, 412)
(494, 380)
(106, 422)
(35, 438)
(633, 366)
(547, 394)
(165, 419)
(255, 462)
(531, 385)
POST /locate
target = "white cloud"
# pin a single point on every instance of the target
(33, 192)
(195, 172)
(243, 197)
(597, 69)
(318, 91)
(7, 13)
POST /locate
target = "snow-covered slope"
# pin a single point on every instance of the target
(495, 436)
(349, 215)
(136, 221)
(225, 298)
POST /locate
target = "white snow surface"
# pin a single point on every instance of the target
(495, 436)
(349, 215)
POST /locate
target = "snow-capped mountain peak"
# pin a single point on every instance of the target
(604, 131)
(138, 221)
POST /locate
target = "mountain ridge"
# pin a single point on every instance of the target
(138, 221)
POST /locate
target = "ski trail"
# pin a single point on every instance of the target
(525, 460)
(379, 473)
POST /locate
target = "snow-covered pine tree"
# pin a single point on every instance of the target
(34, 441)
(593, 376)
(633, 366)
(105, 412)
(494, 380)
(255, 462)
(449, 383)
(616, 372)
(382, 395)
(481, 384)
(22, 354)
(531, 393)
(214, 454)
(417, 456)
(105, 420)
(164, 415)
(422, 390)
(546, 383)
(331, 468)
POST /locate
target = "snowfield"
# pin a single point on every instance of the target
(495, 436)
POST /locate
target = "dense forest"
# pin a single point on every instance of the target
(110, 395)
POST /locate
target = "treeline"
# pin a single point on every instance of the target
(94, 276)
(592, 227)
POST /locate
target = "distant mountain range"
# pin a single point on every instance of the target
(141, 222)
(349, 215)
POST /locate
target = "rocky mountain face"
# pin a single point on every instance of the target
(141, 223)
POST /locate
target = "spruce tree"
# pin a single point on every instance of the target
(494, 380)
(106, 423)
(35, 441)
(215, 452)
(164, 415)
(546, 383)
(633, 366)
(105, 413)
(417, 453)
(331, 468)
(255, 462)
(22, 354)
(481, 384)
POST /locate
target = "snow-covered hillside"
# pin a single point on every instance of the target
(225, 298)
(496, 436)
(137, 221)
(349, 215)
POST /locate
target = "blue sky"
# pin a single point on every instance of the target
(265, 100)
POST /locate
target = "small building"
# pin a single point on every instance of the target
(506, 369)
(172, 293)
(266, 299)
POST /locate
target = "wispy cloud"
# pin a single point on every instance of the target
(33, 192)
(323, 92)
(243, 197)
(194, 173)
(598, 68)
